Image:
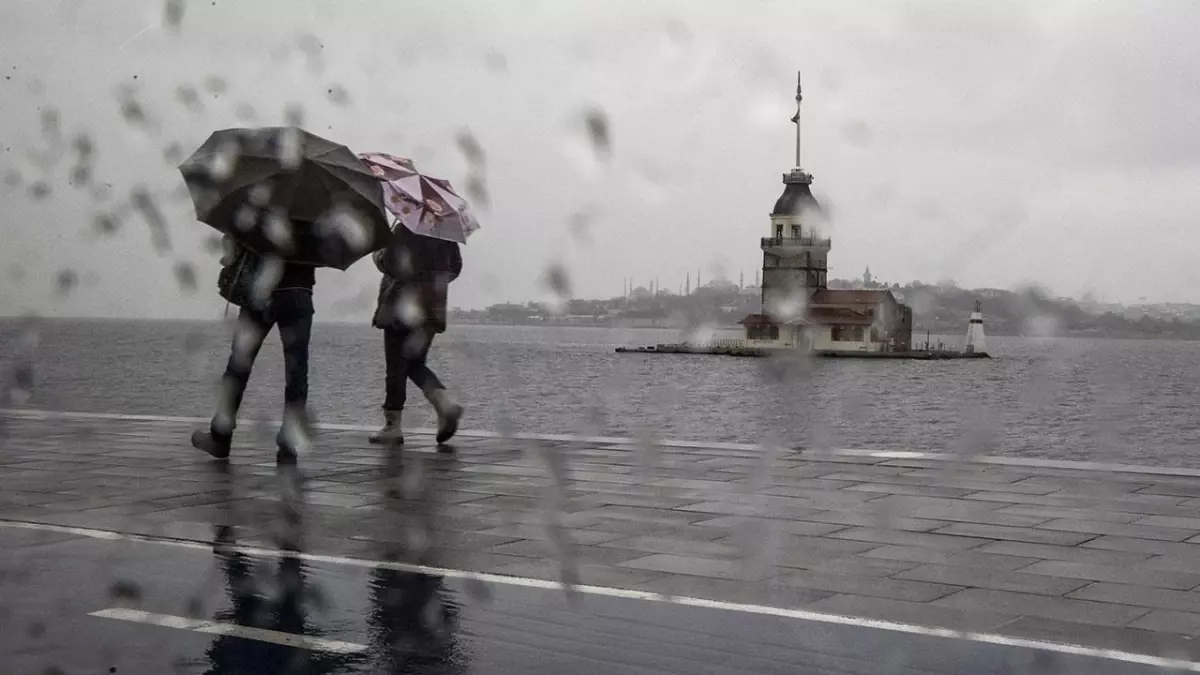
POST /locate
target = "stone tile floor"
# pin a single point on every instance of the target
(1104, 556)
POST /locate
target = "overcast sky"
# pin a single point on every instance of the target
(995, 144)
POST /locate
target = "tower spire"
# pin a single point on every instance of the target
(796, 119)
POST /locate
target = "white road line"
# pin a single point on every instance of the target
(797, 614)
(232, 629)
(31, 413)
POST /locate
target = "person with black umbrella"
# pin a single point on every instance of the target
(271, 293)
(287, 202)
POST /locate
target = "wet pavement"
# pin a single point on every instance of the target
(127, 552)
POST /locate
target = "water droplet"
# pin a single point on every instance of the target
(224, 161)
(293, 115)
(51, 123)
(126, 590)
(245, 112)
(348, 225)
(145, 204)
(173, 14)
(173, 153)
(471, 149)
(106, 224)
(338, 95)
(66, 281)
(596, 123)
(189, 97)
(291, 145)
(477, 191)
(408, 310)
(266, 281)
(40, 190)
(496, 61)
(185, 276)
(278, 230)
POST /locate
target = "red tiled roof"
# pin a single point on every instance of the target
(828, 316)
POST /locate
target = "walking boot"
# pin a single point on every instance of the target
(212, 441)
(448, 413)
(390, 434)
(293, 438)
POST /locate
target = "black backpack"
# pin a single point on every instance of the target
(235, 283)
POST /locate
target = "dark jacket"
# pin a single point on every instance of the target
(417, 271)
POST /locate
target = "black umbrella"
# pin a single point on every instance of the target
(283, 192)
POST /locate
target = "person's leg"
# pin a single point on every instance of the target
(293, 313)
(252, 329)
(417, 352)
(395, 387)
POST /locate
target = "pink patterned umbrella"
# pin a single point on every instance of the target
(425, 205)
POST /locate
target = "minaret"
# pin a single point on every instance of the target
(976, 342)
(688, 288)
(795, 255)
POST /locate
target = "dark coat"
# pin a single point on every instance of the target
(417, 271)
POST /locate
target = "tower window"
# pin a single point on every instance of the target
(795, 232)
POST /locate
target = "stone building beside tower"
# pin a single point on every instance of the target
(798, 310)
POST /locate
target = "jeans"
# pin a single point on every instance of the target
(404, 352)
(292, 311)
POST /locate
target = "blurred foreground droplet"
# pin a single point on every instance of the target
(596, 123)
(556, 278)
(338, 95)
(471, 149)
(66, 281)
(185, 276)
(145, 204)
(173, 14)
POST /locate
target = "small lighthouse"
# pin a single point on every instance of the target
(976, 342)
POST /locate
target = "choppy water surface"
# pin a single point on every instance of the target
(1102, 400)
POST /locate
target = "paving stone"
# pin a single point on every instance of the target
(983, 561)
(999, 580)
(1130, 639)
(1029, 604)
(1147, 546)
(1136, 574)
(905, 489)
(687, 547)
(1051, 512)
(1025, 534)
(702, 567)
(1068, 553)
(942, 541)
(895, 589)
(918, 613)
(1171, 621)
(1140, 596)
(800, 527)
(638, 514)
(1139, 531)
(876, 519)
(855, 564)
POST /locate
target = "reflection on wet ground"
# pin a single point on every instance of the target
(263, 569)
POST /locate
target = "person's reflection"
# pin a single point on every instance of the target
(277, 605)
(413, 622)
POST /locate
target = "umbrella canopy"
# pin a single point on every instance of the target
(284, 192)
(425, 205)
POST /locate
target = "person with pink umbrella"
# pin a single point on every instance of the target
(418, 266)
